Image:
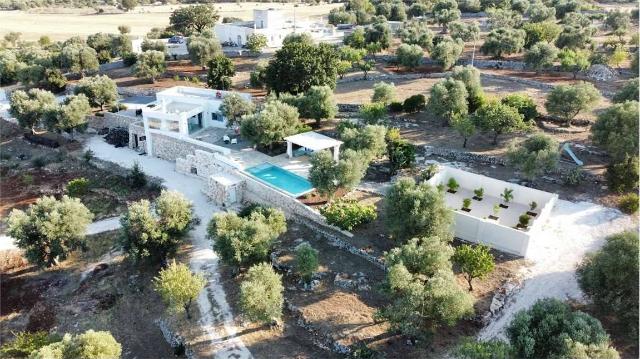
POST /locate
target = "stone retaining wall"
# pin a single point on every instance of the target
(170, 148)
(110, 120)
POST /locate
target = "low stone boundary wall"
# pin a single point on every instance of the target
(170, 148)
(463, 156)
(381, 77)
(349, 107)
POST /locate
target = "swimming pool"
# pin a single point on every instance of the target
(281, 179)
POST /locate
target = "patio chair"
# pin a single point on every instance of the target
(234, 141)
(226, 139)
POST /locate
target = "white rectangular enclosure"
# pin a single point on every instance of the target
(477, 226)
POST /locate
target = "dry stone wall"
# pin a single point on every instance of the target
(110, 120)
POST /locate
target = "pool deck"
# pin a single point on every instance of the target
(244, 154)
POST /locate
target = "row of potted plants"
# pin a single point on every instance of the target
(507, 196)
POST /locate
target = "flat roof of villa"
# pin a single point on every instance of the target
(198, 92)
(313, 141)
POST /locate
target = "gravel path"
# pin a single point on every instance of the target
(214, 309)
(573, 230)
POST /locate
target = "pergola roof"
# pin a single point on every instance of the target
(313, 141)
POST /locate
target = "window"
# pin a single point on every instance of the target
(194, 170)
(217, 117)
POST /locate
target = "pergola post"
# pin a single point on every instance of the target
(289, 149)
(336, 153)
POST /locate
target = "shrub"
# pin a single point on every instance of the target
(25, 343)
(137, 178)
(535, 155)
(523, 103)
(245, 241)
(574, 177)
(623, 176)
(466, 203)
(474, 261)
(414, 103)
(492, 349)
(348, 214)
(261, 296)
(155, 233)
(542, 330)
(507, 195)
(373, 113)
(77, 187)
(92, 345)
(616, 130)
(178, 286)
(610, 278)
(428, 172)
(524, 220)
(629, 203)
(395, 106)
(566, 101)
(306, 261)
(49, 229)
(39, 162)
(452, 184)
(401, 153)
(479, 192)
(417, 210)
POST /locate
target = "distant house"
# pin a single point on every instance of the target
(272, 24)
(181, 111)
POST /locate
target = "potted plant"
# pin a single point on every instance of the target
(507, 196)
(429, 172)
(466, 205)
(532, 207)
(496, 212)
(523, 221)
(453, 185)
(479, 192)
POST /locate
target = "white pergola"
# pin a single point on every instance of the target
(314, 142)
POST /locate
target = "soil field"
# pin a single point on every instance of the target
(62, 23)
(30, 171)
(116, 297)
(345, 313)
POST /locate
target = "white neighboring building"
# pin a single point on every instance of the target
(271, 23)
(180, 111)
(173, 50)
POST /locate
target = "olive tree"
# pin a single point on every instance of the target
(409, 56)
(72, 114)
(369, 139)
(193, 18)
(536, 32)
(100, 90)
(541, 56)
(616, 130)
(150, 65)
(49, 229)
(202, 49)
(503, 41)
(417, 210)
(618, 21)
(234, 106)
(444, 12)
(384, 92)
(178, 287)
(256, 42)
(524, 103)
(474, 261)
(464, 31)
(447, 52)
(327, 175)
(318, 103)
(539, 12)
(465, 127)
(498, 118)
(567, 101)
(243, 241)
(79, 58)
(153, 233)
(543, 330)
(503, 18)
(220, 69)
(275, 121)
(261, 294)
(535, 155)
(574, 61)
(32, 108)
(609, 276)
(448, 98)
(418, 33)
(470, 76)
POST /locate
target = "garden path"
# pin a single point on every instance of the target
(572, 231)
(216, 316)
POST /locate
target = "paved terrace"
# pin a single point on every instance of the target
(482, 209)
(244, 154)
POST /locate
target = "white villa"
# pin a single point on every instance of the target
(272, 24)
(183, 111)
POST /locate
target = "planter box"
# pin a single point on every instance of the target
(477, 198)
(493, 217)
(503, 206)
(466, 209)
(451, 191)
(532, 214)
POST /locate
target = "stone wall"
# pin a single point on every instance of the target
(463, 156)
(136, 128)
(382, 77)
(110, 120)
(349, 107)
(168, 147)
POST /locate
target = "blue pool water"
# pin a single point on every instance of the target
(280, 178)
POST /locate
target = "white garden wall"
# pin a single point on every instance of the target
(476, 227)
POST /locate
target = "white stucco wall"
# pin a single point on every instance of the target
(476, 227)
